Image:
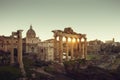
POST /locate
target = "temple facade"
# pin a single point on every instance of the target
(69, 45)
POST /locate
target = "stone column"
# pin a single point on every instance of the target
(85, 51)
(19, 33)
(80, 48)
(55, 47)
(60, 49)
(72, 48)
(76, 53)
(12, 51)
(67, 48)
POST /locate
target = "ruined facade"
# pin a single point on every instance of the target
(46, 50)
(29, 43)
(5, 43)
(94, 46)
(18, 36)
(69, 45)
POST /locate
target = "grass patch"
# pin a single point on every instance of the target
(9, 73)
(93, 57)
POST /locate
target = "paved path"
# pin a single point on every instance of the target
(39, 70)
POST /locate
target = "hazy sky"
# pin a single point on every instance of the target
(99, 19)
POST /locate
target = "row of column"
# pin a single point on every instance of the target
(81, 48)
(19, 48)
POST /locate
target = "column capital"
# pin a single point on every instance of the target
(55, 35)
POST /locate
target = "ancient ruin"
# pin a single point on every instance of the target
(18, 35)
(69, 45)
(66, 45)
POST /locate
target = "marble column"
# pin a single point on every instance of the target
(55, 47)
(12, 51)
(76, 53)
(72, 44)
(80, 48)
(19, 33)
(67, 48)
(60, 49)
(85, 51)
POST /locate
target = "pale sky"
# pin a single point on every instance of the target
(99, 19)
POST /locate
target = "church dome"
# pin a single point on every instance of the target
(31, 33)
